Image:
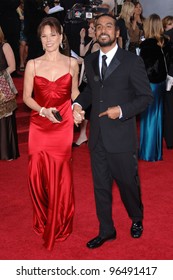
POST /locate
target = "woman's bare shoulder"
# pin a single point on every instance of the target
(34, 62)
(30, 64)
(95, 47)
(6, 47)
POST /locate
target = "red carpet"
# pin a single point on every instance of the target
(19, 242)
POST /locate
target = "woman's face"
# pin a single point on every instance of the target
(169, 26)
(138, 9)
(91, 30)
(50, 39)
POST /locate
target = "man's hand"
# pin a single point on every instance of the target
(78, 114)
(112, 113)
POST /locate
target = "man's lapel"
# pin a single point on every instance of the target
(116, 60)
(112, 66)
(95, 64)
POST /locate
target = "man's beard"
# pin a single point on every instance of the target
(106, 43)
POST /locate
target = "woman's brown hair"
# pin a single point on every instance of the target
(2, 39)
(55, 24)
(168, 20)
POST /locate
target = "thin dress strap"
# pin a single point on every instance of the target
(69, 64)
(34, 68)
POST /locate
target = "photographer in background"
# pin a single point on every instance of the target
(69, 4)
(77, 15)
(72, 28)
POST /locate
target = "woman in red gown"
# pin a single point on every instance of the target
(50, 83)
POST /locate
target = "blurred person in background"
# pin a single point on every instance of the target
(155, 51)
(135, 29)
(23, 47)
(124, 23)
(168, 96)
(8, 131)
(10, 24)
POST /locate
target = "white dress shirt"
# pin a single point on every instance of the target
(109, 55)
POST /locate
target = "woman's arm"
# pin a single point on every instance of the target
(9, 55)
(83, 48)
(75, 78)
(28, 87)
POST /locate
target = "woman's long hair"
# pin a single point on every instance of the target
(127, 12)
(153, 28)
(141, 15)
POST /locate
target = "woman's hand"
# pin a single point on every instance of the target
(47, 112)
(82, 34)
(112, 113)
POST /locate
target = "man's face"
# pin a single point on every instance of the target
(105, 31)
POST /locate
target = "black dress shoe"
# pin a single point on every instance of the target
(136, 229)
(98, 240)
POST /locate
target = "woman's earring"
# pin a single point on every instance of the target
(61, 45)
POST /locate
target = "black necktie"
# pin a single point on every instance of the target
(104, 66)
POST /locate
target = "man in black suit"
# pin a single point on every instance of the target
(116, 99)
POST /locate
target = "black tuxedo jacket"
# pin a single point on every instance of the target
(125, 84)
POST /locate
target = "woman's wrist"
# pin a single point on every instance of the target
(41, 112)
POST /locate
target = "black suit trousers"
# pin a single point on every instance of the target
(168, 118)
(123, 168)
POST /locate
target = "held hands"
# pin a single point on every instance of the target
(112, 113)
(78, 114)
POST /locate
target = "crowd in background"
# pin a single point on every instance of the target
(19, 20)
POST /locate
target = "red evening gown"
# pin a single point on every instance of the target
(50, 177)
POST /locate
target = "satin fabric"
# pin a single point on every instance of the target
(151, 126)
(50, 177)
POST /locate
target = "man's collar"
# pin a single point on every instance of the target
(110, 53)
